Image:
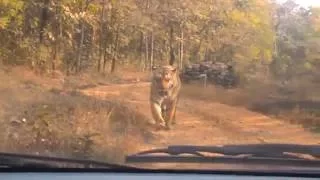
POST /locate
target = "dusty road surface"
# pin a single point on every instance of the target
(203, 123)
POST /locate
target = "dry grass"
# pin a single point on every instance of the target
(39, 116)
(234, 97)
(48, 116)
(298, 102)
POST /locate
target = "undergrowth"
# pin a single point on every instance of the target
(296, 103)
(65, 123)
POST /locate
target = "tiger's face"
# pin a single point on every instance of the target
(165, 79)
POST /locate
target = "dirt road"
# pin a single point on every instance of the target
(198, 122)
(203, 123)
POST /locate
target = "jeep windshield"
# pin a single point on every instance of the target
(215, 83)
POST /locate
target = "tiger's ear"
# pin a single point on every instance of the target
(174, 69)
(154, 68)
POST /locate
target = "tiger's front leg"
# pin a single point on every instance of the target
(174, 113)
(170, 115)
(156, 111)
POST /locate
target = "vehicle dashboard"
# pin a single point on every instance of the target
(135, 176)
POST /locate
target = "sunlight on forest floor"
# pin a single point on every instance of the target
(40, 114)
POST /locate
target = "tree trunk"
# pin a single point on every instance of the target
(58, 37)
(82, 27)
(102, 25)
(43, 19)
(172, 58)
(113, 64)
(276, 29)
(146, 53)
(152, 41)
(181, 49)
(115, 52)
(54, 57)
(105, 53)
(43, 22)
(141, 51)
(104, 59)
(78, 62)
(151, 53)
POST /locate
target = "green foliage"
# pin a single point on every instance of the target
(80, 34)
(10, 11)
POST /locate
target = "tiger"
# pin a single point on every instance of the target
(164, 95)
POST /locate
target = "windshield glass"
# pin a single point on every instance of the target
(102, 79)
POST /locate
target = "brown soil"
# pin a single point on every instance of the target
(201, 122)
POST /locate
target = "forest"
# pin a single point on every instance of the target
(72, 74)
(256, 36)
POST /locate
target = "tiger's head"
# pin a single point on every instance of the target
(165, 78)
